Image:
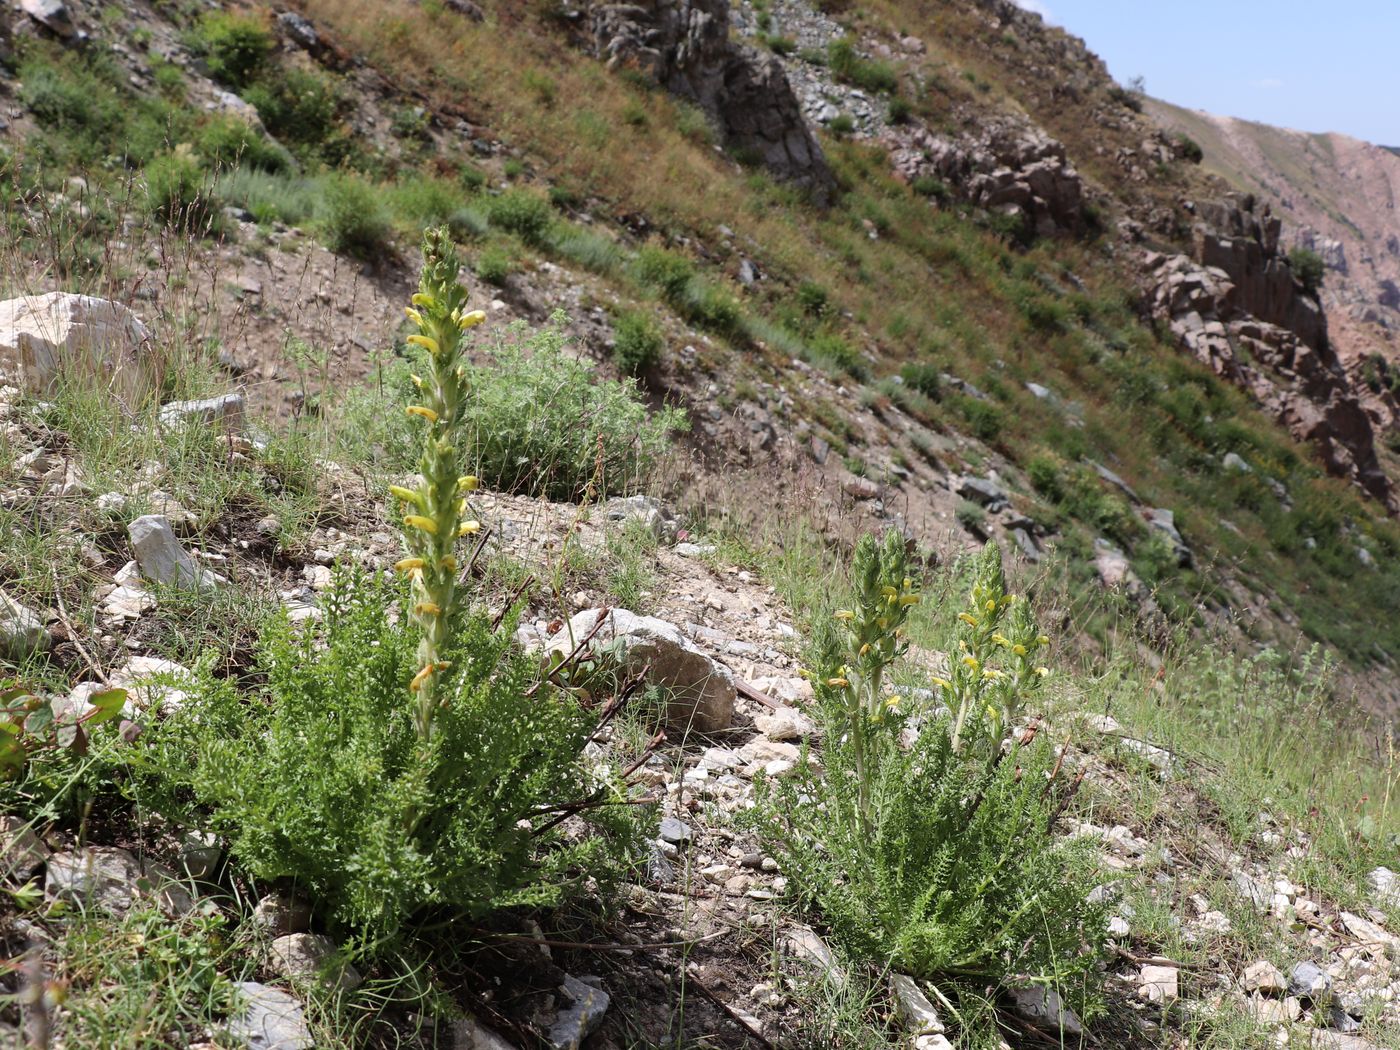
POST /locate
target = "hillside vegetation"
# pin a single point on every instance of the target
(666, 603)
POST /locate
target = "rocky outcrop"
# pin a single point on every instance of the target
(684, 46)
(1237, 309)
(1018, 171)
(1233, 236)
(43, 337)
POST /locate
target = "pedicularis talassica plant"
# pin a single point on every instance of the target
(403, 756)
(437, 520)
(925, 842)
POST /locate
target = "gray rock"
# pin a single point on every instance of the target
(807, 947)
(112, 879)
(984, 491)
(270, 1019)
(51, 14)
(279, 914)
(694, 550)
(22, 852)
(1164, 521)
(1114, 480)
(1310, 981)
(200, 854)
(1044, 1007)
(1235, 462)
(1026, 542)
(225, 412)
(22, 632)
(702, 691)
(59, 333)
(1385, 886)
(1264, 977)
(913, 1006)
(581, 1018)
(652, 513)
(160, 556)
(301, 31)
(312, 957)
(1158, 984)
(676, 832)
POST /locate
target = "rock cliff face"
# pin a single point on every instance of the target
(684, 46)
(1234, 304)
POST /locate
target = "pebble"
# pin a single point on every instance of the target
(675, 832)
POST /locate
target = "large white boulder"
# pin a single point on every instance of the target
(60, 333)
(701, 691)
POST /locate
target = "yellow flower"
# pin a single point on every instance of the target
(1043, 639)
(424, 300)
(941, 682)
(420, 677)
(468, 483)
(971, 662)
(427, 608)
(992, 673)
(468, 527)
(845, 614)
(1001, 639)
(838, 683)
(417, 521)
(472, 319)
(910, 599)
(409, 564)
(420, 410)
(991, 605)
(417, 381)
(1042, 671)
(407, 495)
(892, 703)
(448, 562)
(864, 649)
(1019, 650)
(413, 315)
(968, 619)
(427, 342)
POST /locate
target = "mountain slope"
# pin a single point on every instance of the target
(1337, 196)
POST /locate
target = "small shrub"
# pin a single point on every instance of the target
(352, 217)
(270, 198)
(542, 86)
(813, 299)
(543, 423)
(835, 353)
(780, 45)
(424, 200)
(984, 418)
(841, 125)
(899, 111)
(1045, 477)
(930, 186)
(637, 343)
(1309, 267)
(972, 517)
(302, 107)
(926, 844)
(178, 194)
(926, 378)
(227, 142)
(523, 213)
(847, 65)
(1188, 148)
(662, 270)
(494, 264)
(594, 251)
(234, 46)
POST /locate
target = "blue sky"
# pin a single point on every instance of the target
(1332, 65)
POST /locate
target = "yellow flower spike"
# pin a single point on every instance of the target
(472, 319)
(421, 410)
(864, 649)
(971, 662)
(407, 495)
(968, 619)
(417, 521)
(1019, 650)
(910, 599)
(461, 506)
(427, 609)
(908, 583)
(410, 564)
(991, 605)
(1043, 639)
(992, 674)
(427, 342)
(1001, 639)
(443, 665)
(844, 614)
(468, 483)
(413, 315)
(469, 527)
(424, 300)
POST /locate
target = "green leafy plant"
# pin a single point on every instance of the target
(1310, 269)
(403, 757)
(178, 193)
(352, 217)
(28, 723)
(234, 46)
(637, 343)
(925, 842)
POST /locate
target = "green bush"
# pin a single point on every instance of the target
(937, 858)
(926, 378)
(1309, 268)
(543, 423)
(813, 299)
(302, 108)
(352, 217)
(270, 198)
(178, 194)
(662, 270)
(638, 343)
(842, 60)
(841, 125)
(234, 46)
(930, 186)
(494, 264)
(227, 142)
(984, 418)
(834, 352)
(523, 213)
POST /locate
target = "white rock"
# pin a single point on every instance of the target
(269, 1019)
(224, 412)
(1264, 977)
(21, 851)
(1386, 886)
(50, 13)
(312, 957)
(468, 1034)
(913, 1006)
(139, 677)
(112, 879)
(785, 724)
(1158, 984)
(43, 336)
(807, 947)
(1043, 1005)
(279, 914)
(701, 691)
